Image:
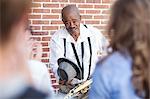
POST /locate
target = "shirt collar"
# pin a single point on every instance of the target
(84, 34)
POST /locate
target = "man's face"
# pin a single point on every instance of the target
(72, 22)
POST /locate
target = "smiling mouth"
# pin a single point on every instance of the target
(72, 29)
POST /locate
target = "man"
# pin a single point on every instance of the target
(77, 42)
(15, 77)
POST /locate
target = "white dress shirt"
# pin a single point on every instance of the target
(98, 45)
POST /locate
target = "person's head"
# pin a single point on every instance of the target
(13, 20)
(71, 18)
(129, 28)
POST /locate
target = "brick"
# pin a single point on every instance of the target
(59, 0)
(36, 28)
(45, 44)
(36, 5)
(97, 17)
(93, 1)
(40, 22)
(93, 11)
(105, 11)
(51, 5)
(45, 55)
(86, 16)
(50, 71)
(45, 60)
(62, 5)
(92, 22)
(49, 27)
(53, 76)
(85, 6)
(41, 11)
(56, 22)
(101, 27)
(35, 16)
(106, 1)
(46, 49)
(104, 22)
(56, 11)
(77, 1)
(50, 16)
(55, 86)
(101, 17)
(36, 38)
(53, 81)
(41, 0)
(82, 11)
(46, 38)
(101, 6)
(39, 33)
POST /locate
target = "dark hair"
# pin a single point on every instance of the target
(11, 11)
(129, 28)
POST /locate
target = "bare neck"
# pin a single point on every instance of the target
(75, 36)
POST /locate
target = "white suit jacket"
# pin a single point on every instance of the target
(98, 45)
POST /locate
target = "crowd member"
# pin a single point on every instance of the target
(77, 42)
(124, 73)
(15, 77)
(39, 71)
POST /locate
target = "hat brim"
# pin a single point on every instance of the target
(76, 68)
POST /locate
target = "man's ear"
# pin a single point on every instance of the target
(62, 20)
(80, 17)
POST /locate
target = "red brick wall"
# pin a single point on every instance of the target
(45, 18)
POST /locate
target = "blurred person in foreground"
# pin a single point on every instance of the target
(39, 71)
(125, 73)
(15, 77)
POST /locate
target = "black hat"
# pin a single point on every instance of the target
(68, 70)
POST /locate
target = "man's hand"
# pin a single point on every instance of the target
(65, 86)
(64, 82)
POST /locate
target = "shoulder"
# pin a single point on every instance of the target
(111, 75)
(59, 34)
(118, 57)
(37, 66)
(115, 66)
(116, 62)
(95, 31)
(92, 28)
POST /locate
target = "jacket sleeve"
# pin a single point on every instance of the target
(102, 41)
(55, 53)
(103, 44)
